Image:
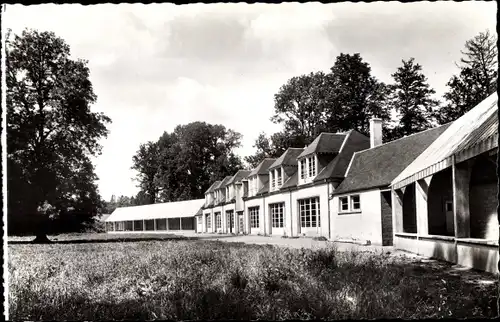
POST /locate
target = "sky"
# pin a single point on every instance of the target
(156, 66)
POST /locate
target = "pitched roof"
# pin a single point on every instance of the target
(103, 217)
(224, 182)
(378, 166)
(288, 158)
(218, 185)
(265, 188)
(325, 143)
(187, 208)
(477, 125)
(241, 174)
(354, 141)
(291, 182)
(263, 167)
(212, 187)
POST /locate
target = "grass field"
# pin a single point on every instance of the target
(190, 279)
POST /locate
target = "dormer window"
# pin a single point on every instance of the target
(312, 166)
(308, 168)
(272, 179)
(279, 180)
(302, 168)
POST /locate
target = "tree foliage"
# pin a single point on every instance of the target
(355, 96)
(188, 160)
(51, 130)
(476, 80)
(411, 98)
(299, 106)
(341, 100)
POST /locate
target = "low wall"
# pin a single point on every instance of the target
(477, 254)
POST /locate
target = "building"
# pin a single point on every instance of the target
(289, 196)
(361, 204)
(161, 217)
(445, 202)
(253, 201)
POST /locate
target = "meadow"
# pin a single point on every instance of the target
(196, 279)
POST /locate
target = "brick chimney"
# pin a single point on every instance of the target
(375, 132)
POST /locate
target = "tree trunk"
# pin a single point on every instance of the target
(41, 232)
(41, 238)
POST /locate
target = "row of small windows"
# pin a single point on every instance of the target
(308, 210)
(152, 224)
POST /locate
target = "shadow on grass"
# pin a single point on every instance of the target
(114, 239)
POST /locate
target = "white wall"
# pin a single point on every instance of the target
(363, 225)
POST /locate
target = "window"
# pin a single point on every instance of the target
(218, 220)
(120, 226)
(230, 218)
(312, 166)
(344, 203)
(309, 212)
(350, 203)
(308, 167)
(277, 214)
(449, 206)
(303, 169)
(161, 224)
(129, 225)
(150, 224)
(273, 179)
(254, 217)
(280, 178)
(209, 221)
(355, 204)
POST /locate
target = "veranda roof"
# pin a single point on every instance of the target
(475, 130)
(188, 208)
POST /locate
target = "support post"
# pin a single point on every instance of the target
(397, 210)
(461, 177)
(180, 223)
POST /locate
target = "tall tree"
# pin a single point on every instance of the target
(51, 130)
(146, 162)
(263, 148)
(299, 106)
(344, 99)
(476, 80)
(188, 160)
(354, 95)
(273, 146)
(411, 97)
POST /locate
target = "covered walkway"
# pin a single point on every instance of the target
(162, 217)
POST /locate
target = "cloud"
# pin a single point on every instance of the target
(159, 65)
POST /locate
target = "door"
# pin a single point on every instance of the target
(240, 223)
(450, 226)
(230, 219)
(199, 226)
